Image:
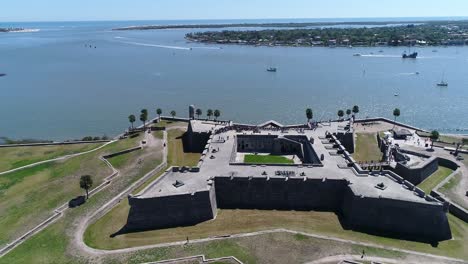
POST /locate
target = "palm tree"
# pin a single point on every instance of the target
(209, 113)
(144, 118)
(355, 109)
(173, 113)
(309, 114)
(198, 112)
(434, 137)
(348, 112)
(131, 119)
(396, 113)
(217, 114)
(159, 112)
(144, 111)
(86, 182)
(340, 114)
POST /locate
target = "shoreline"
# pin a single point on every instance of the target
(4, 140)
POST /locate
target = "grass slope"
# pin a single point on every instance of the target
(15, 157)
(176, 155)
(438, 176)
(28, 196)
(267, 159)
(367, 148)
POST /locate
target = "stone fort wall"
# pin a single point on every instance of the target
(396, 218)
(171, 211)
(389, 216)
(374, 215)
(279, 193)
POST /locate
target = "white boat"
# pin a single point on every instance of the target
(442, 83)
(357, 55)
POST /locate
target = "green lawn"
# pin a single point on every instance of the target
(176, 154)
(366, 147)
(438, 176)
(267, 159)
(28, 196)
(241, 221)
(15, 157)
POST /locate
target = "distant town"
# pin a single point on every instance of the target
(10, 29)
(436, 33)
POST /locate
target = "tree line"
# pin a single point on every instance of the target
(144, 115)
(433, 33)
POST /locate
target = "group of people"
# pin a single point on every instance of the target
(285, 173)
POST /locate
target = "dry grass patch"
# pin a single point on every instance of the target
(367, 148)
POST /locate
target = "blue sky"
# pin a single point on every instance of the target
(63, 10)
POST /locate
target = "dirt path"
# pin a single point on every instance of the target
(59, 212)
(57, 159)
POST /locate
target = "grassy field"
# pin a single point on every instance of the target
(176, 155)
(267, 159)
(438, 176)
(367, 148)
(241, 221)
(28, 196)
(15, 157)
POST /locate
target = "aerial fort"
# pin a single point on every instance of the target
(271, 166)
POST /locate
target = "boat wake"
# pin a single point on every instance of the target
(155, 45)
(208, 48)
(380, 56)
(408, 73)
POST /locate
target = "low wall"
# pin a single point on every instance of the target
(383, 119)
(121, 152)
(448, 163)
(54, 143)
(418, 173)
(455, 209)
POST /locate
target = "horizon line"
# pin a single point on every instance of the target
(220, 19)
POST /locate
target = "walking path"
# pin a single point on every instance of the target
(57, 159)
(57, 213)
(100, 252)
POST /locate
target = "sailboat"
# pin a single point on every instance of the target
(413, 55)
(442, 83)
(271, 69)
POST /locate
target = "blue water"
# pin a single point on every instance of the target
(56, 88)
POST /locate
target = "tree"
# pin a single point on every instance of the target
(198, 112)
(209, 113)
(355, 109)
(132, 119)
(309, 114)
(144, 117)
(86, 182)
(340, 114)
(348, 112)
(173, 113)
(396, 113)
(159, 112)
(217, 114)
(434, 137)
